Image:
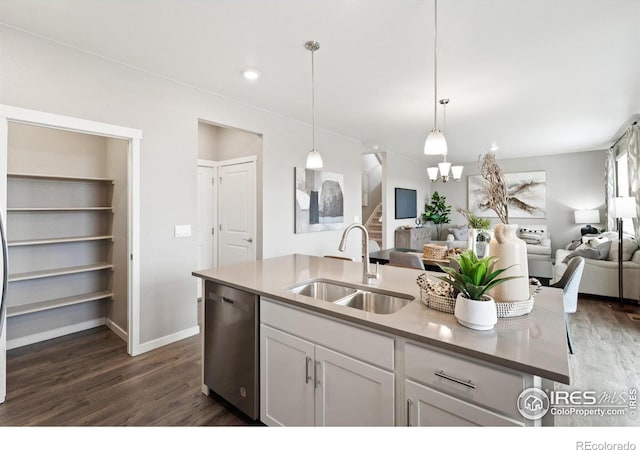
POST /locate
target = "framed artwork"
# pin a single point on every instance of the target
(319, 200)
(527, 195)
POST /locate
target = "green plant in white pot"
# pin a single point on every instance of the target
(474, 307)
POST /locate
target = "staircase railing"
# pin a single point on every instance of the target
(373, 214)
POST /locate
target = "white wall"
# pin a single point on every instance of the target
(42, 75)
(574, 181)
(403, 172)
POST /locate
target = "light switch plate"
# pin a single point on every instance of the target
(182, 231)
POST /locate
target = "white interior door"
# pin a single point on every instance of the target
(205, 227)
(237, 213)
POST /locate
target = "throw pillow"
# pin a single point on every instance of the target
(531, 235)
(595, 241)
(460, 232)
(629, 246)
(599, 251)
(573, 244)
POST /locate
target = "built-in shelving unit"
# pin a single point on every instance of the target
(58, 272)
(59, 238)
(57, 303)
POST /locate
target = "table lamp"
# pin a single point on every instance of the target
(587, 216)
(623, 208)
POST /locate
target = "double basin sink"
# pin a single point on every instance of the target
(364, 299)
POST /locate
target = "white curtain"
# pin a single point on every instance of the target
(610, 178)
(633, 161)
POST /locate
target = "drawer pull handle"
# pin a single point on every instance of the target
(467, 383)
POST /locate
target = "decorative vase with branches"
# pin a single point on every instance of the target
(437, 211)
(495, 186)
(510, 250)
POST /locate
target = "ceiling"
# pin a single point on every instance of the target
(533, 77)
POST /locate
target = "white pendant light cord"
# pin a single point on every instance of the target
(435, 66)
(313, 104)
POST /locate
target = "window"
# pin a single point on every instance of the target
(622, 172)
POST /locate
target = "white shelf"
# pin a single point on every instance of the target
(57, 240)
(57, 303)
(37, 176)
(71, 209)
(58, 272)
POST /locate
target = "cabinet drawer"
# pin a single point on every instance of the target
(472, 381)
(364, 345)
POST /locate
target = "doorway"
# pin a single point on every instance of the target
(70, 198)
(229, 217)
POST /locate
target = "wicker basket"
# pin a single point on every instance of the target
(520, 308)
(431, 251)
(433, 300)
(438, 302)
(447, 304)
(514, 309)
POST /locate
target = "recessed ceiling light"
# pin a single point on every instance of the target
(251, 74)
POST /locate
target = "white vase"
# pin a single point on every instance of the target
(476, 314)
(479, 247)
(510, 251)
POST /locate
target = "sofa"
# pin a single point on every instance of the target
(600, 276)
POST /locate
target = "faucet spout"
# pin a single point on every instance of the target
(367, 275)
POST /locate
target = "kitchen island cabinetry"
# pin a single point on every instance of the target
(324, 363)
(304, 383)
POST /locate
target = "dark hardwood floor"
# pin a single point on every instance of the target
(606, 357)
(88, 379)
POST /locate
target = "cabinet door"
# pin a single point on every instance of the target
(428, 407)
(350, 392)
(286, 379)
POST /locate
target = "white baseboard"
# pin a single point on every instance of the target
(117, 330)
(56, 332)
(160, 342)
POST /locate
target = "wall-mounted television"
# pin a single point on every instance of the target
(406, 203)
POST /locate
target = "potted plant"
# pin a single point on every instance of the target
(479, 232)
(437, 212)
(474, 307)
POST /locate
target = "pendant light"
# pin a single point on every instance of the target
(435, 144)
(314, 160)
(444, 167)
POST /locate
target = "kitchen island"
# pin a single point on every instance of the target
(416, 366)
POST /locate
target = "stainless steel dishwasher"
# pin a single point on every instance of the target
(231, 348)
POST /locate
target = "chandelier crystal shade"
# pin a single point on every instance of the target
(314, 160)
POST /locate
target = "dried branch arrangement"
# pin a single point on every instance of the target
(495, 186)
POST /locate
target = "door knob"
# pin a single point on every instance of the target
(248, 239)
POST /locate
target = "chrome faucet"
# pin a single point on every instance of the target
(367, 275)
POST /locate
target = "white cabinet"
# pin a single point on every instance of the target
(351, 392)
(286, 379)
(305, 383)
(428, 407)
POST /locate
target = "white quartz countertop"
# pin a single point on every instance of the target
(535, 343)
